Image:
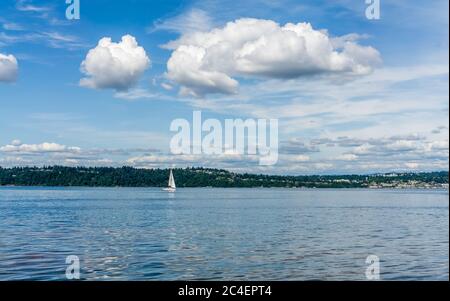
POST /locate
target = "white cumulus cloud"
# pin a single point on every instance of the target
(206, 62)
(17, 147)
(9, 68)
(114, 65)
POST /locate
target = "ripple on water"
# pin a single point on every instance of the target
(223, 234)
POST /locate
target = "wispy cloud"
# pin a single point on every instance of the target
(13, 27)
(28, 6)
(52, 39)
(193, 20)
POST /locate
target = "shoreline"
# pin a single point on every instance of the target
(209, 187)
(60, 176)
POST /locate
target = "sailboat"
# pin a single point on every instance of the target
(171, 187)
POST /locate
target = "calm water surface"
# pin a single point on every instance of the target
(223, 234)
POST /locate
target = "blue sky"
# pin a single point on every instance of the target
(392, 116)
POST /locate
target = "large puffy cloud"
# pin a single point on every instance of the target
(206, 62)
(8, 68)
(114, 65)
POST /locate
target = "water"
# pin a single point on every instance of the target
(223, 234)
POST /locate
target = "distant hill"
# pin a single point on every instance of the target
(202, 177)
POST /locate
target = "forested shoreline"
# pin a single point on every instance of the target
(203, 177)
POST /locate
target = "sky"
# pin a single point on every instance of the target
(351, 94)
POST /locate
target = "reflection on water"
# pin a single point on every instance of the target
(223, 234)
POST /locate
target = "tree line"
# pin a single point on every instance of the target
(196, 177)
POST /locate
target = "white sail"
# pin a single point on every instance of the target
(171, 180)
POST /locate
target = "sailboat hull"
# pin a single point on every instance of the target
(169, 189)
